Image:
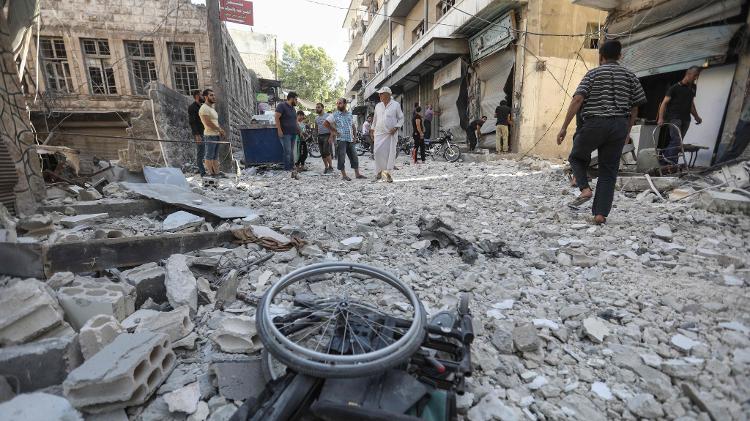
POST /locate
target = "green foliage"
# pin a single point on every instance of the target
(310, 72)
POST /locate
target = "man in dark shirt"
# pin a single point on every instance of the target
(504, 121)
(473, 132)
(612, 95)
(287, 128)
(676, 109)
(196, 127)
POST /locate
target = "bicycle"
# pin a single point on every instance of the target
(313, 149)
(354, 342)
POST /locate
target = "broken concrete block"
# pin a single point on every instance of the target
(184, 399)
(78, 220)
(28, 309)
(525, 338)
(86, 297)
(60, 279)
(131, 322)
(182, 288)
(723, 202)
(188, 342)
(181, 220)
(176, 323)
(116, 415)
(97, 333)
(38, 406)
(595, 329)
(148, 281)
(239, 380)
(124, 373)
(237, 334)
(88, 195)
(42, 363)
(227, 292)
(36, 225)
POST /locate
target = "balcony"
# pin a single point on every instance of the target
(606, 5)
(377, 31)
(400, 8)
(356, 79)
(355, 39)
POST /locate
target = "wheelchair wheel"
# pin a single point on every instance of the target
(340, 320)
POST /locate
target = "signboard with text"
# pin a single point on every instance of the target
(237, 11)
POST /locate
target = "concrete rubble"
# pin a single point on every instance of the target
(38, 406)
(643, 318)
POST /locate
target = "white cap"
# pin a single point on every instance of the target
(385, 90)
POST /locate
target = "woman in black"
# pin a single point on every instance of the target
(418, 135)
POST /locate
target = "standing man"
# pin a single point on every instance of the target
(301, 147)
(502, 125)
(325, 141)
(287, 129)
(212, 133)
(428, 113)
(387, 120)
(196, 127)
(418, 135)
(612, 95)
(474, 132)
(676, 109)
(341, 124)
(366, 127)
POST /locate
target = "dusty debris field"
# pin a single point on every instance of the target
(646, 317)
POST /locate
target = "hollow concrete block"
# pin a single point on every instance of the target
(124, 373)
(28, 310)
(175, 323)
(41, 363)
(237, 334)
(97, 333)
(148, 281)
(85, 298)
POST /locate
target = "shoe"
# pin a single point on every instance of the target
(294, 175)
(580, 200)
(346, 178)
(388, 178)
(379, 176)
(361, 176)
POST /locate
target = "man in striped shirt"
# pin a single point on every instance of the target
(608, 98)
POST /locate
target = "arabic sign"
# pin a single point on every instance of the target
(495, 37)
(237, 11)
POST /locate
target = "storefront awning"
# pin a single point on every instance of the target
(433, 56)
(679, 51)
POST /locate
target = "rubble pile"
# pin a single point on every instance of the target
(643, 318)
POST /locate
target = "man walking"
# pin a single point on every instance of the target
(612, 95)
(287, 129)
(325, 141)
(387, 120)
(675, 109)
(341, 124)
(474, 132)
(212, 133)
(196, 127)
(502, 125)
(365, 133)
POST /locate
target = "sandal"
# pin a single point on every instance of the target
(592, 220)
(580, 200)
(346, 178)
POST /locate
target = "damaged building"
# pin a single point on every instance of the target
(662, 39)
(465, 57)
(101, 67)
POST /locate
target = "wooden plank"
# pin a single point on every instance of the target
(116, 208)
(22, 260)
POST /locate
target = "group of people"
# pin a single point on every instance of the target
(204, 125)
(336, 131)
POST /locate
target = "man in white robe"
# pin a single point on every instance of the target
(385, 124)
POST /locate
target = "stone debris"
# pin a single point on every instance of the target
(663, 232)
(85, 219)
(181, 221)
(237, 334)
(28, 310)
(683, 343)
(525, 338)
(148, 280)
(239, 380)
(38, 406)
(602, 390)
(176, 323)
(595, 329)
(36, 225)
(85, 195)
(97, 333)
(644, 405)
(184, 400)
(40, 364)
(86, 297)
(182, 288)
(124, 373)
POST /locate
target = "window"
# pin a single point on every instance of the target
(417, 32)
(444, 6)
(184, 69)
(54, 61)
(142, 64)
(96, 58)
(592, 40)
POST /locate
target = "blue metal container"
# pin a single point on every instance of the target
(261, 146)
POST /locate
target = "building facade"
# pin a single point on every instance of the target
(95, 61)
(465, 56)
(663, 38)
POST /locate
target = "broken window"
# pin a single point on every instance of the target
(592, 39)
(417, 32)
(444, 6)
(96, 57)
(184, 68)
(54, 61)
(142, 64)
